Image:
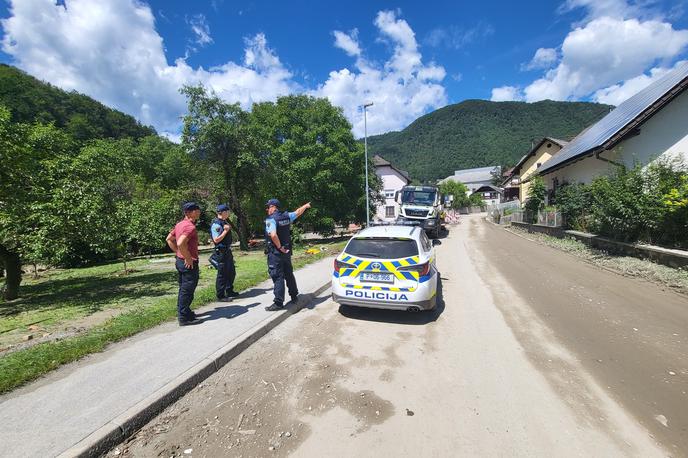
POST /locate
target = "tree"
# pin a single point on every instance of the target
(536, 197)
(458, 190)
(311, 155)
(26, 154)
(217, 133)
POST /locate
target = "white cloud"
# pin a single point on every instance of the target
(347, 42)
(606, 56)
(604, 52)
(402, 89)
(456, 37)
(617, 93)
(201, 30)
(506, 94)
(111, 51)
(543, 58)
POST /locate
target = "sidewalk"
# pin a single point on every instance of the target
(85, 407)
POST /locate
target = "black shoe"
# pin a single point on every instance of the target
(190, 322)
(225, 299)
(274, 307)
(232, 294)
(295, 298)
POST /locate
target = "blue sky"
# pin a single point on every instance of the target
(409, 58)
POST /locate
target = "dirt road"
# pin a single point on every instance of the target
(500, 369)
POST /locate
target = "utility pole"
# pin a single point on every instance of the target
(365, 146)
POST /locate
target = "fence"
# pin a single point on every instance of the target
(550, 218)
(502, 213)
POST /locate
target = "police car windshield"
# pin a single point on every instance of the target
(418, 197)
(382, 248)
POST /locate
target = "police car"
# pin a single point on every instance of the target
(387, 267)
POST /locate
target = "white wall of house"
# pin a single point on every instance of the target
(392, 181)
(663, 136)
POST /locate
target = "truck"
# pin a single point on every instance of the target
(422, 204)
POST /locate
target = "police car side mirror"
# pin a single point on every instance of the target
(436, 242)
(396, 197)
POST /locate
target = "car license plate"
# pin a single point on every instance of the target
(377, 277)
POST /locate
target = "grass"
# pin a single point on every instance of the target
(676, 279)
(143, 299)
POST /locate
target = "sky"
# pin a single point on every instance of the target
(406, 57)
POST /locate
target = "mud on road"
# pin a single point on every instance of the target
(483, 375)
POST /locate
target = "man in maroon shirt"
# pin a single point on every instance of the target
(183, 240)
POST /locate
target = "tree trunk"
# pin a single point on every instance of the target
(13, 273)
(235, 204)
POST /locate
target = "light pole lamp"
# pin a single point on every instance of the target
(365, 147)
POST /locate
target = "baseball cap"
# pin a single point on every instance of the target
(274, 202)
(222, 208)
(190, 206)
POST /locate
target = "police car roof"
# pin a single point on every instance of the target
(402, 232)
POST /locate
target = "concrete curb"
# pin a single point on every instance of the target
(124, 425)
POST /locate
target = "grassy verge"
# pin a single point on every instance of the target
(22, 366)
(676, 279)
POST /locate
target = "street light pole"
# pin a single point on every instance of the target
(365, 146)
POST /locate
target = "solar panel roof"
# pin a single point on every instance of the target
(604, 129)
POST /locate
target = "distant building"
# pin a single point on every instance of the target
(474, 178)
(651, 125)
(393, 179)
(491, 195)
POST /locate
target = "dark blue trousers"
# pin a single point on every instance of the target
(226, 273)
(188, 280)
(281, 270)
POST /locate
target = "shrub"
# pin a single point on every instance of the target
(536, 198)
(574, 201)
(625, 207)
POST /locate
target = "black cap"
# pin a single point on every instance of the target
(222, 208)
(190, 206)
(274, 202)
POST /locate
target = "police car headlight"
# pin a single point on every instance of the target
(431, 222)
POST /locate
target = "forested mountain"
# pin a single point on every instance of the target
(30, 100)
(477, 133)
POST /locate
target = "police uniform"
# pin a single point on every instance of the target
(224, 260)
(279, 263)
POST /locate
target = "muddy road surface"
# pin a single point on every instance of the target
(531, 352)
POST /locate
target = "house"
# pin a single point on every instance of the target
(532, 161)
(510, 184)
(393, 179)
(490, 194)
(474, 178)
(651, 125)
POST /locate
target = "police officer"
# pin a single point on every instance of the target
(221, 233)
(278, 245)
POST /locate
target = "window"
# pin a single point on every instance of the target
(382, 248)
(389, 193)
(389, 211)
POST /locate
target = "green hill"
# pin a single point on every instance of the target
(31, 100)
(476, 133)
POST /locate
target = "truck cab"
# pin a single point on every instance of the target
(422, 204)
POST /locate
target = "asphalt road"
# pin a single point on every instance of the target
(531, 352)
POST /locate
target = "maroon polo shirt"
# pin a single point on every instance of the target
(188, 228)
